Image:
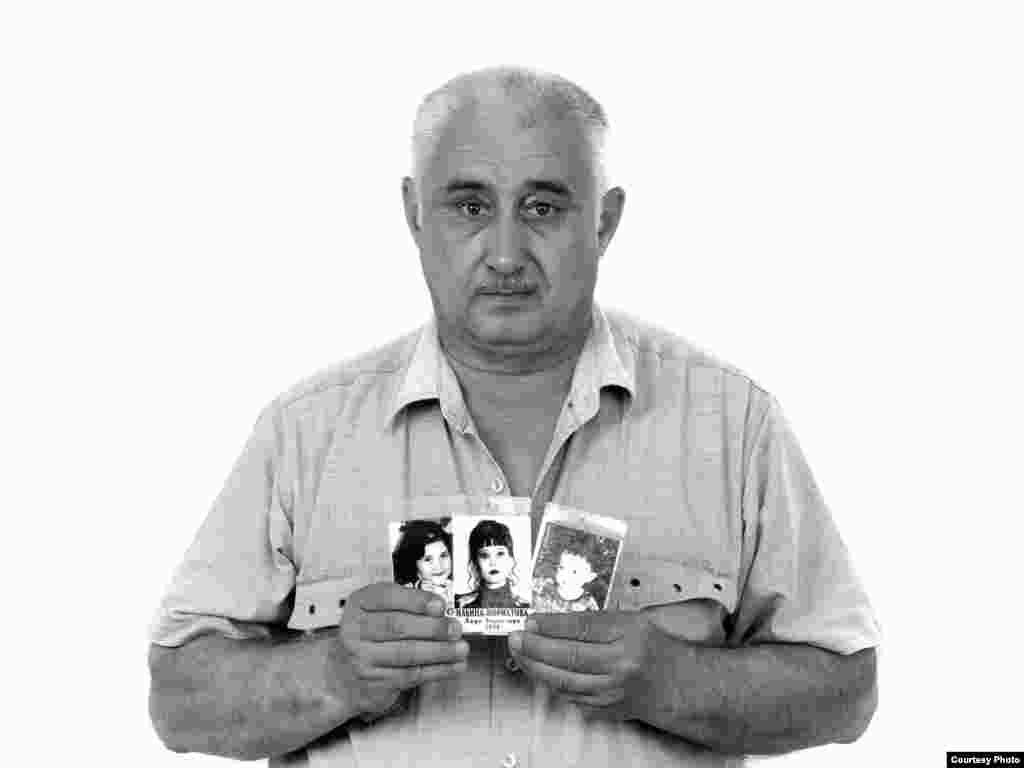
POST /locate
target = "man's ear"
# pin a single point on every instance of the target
(412, 207)
(612, 204)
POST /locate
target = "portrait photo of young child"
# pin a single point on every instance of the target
(573, 569)
(421, 555)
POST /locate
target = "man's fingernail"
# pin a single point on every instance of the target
(531, 625)
(454, 630)
(515, 641)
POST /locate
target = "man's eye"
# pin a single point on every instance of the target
(471, 208)
(542, 210)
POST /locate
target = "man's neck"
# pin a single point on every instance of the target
(516, 379)
(506, 391)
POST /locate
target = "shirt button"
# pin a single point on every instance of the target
(497, 486)
(510, 761)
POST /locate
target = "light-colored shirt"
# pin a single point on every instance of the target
(728, 533)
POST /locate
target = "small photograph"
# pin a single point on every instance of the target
(421, 555)
(575, 561)
(492, 586)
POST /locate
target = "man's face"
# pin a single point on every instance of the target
(572, 573)
(508, 233)
(495, 564)
(436, 563)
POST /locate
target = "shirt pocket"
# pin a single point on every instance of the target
(321, 603)
(688, 600)
(346, 549)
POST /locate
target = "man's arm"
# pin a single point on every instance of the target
(247, 699)
(264, 697)
(763, 699)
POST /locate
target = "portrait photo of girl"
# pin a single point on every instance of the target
(421, 554)
(491, 577)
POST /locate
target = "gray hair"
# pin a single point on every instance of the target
(542, 95)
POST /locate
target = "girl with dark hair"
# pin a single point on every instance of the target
(492, 568)
(422, 558)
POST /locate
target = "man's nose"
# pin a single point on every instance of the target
(507, 251)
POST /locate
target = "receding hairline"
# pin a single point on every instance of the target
(536, 96)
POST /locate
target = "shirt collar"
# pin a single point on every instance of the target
(429, 376)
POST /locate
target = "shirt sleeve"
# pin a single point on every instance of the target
(799, 584)
(237, 577)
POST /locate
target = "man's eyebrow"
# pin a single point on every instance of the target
(552, 186)
(463, 185)
(549, 185)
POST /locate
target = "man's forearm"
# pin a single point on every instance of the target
(247, 698)
(763, 699)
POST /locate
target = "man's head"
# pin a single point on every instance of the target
(510, 211)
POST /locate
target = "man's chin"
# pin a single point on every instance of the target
(509, 330)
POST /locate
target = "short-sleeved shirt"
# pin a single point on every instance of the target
(728, 533)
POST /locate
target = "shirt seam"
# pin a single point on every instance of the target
(346, 383)
(664, 354)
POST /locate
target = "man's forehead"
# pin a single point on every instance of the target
(546, 171)
(496, 148)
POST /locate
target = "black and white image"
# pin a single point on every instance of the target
(492, 588)
(574, 565)
(421, 555)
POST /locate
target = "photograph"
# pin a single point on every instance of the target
(573, 566)
(320, 314)
(491, 564)
(421, 554)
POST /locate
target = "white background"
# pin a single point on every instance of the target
(199, 205)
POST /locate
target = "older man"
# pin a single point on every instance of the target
(736, 624)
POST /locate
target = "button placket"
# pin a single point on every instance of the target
(498, 484)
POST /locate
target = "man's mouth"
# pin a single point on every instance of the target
(493, 572)
(506, 291)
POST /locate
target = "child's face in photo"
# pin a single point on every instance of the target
(495, 564)
(436, 564)
(572, 573)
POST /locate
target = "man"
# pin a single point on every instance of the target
(736, 624)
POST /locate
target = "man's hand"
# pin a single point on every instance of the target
(592, 659)
(394, 638)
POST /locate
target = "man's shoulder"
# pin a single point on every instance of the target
(654, 349)
(369, 370)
